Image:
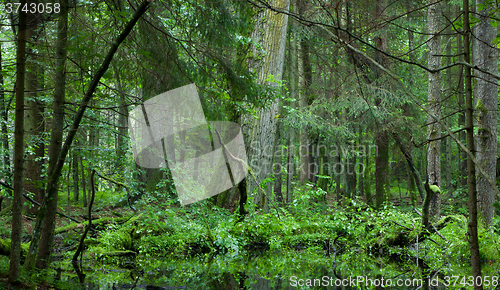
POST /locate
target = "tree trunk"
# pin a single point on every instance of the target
(434, 100)
(33, 115)
(76, 188)
(84, 182)
(270, 31)
(121, 146)
(382, 192)
(486, 101)
(278, 164)
(448, 142)
(16, 234)
(305, 78)
(33, 121)
(48, 226)
(3, 117)
(471, 169)
(293, 52)
(382, 169)
(462, 156)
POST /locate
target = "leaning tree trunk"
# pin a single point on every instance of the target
(471, 169)
(270, 32)
(54, 177)
(16, 234)
(434, 100)
(486, 99)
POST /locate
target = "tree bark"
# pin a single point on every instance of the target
(48, 225)
(471, 169)
(34, 127)
(83, 182)
(3, 117)
(122, 126)
(462, 156)
(16, 234)
(381, 168)
(76, 188)
(485, 55)
(305, 79)
(449, 85)
(382, 192)
(294, 95)
(434, 105)
(272, 36)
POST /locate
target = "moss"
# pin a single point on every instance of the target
(5, 247)
(94, 222)
(434, 188)
(480, 107)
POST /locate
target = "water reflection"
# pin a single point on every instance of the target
(288, 270)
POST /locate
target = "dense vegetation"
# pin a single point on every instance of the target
(370, 131)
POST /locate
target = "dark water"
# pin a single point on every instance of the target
(287, 270)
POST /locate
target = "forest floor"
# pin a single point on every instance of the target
(313, 224)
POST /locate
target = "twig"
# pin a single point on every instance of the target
(36, 202)
(433, 227)
(82, 239)
(127, 188)
(245, 165)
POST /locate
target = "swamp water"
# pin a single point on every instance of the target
(307, 269)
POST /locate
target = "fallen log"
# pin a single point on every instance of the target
(102, 221)
(119, 253)
(5, 247)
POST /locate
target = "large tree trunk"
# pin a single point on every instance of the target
(34, 127)
(382, 191)
(76, 183)
(33, 117)
(121, 146)
(293, 53)
(434, 100)
(305, 79)
(449, 86)
(48, 226)
(382, 168)
(270, 32)
(16, 234)
(486, 101)
(471, 169)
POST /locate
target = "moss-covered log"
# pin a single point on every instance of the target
(99, 222)
(5, 247)
(119, 253)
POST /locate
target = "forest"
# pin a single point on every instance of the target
(249, 144)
